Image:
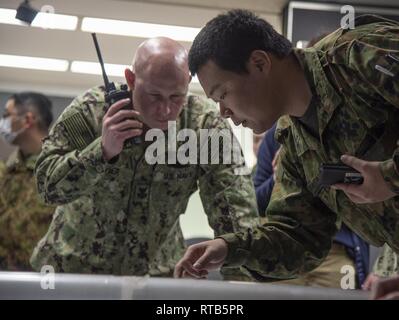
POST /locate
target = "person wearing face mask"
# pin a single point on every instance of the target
(118, 213)
(24, 219)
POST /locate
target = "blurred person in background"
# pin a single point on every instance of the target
(24, 219)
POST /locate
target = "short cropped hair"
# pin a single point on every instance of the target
(229, 39)
(36, 103)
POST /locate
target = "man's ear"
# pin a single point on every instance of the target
(29, 120)
(130, 78)
(259, 61)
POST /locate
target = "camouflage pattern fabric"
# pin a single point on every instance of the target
(357, 110)
(123, 217)
(387, 264)
(24, 219)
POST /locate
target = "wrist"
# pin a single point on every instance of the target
(106, 156)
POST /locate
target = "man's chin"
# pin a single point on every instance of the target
(158, 125)
(255, 129)
(163, 126)
(258, 129)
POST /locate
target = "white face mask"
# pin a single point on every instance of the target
(6, 131)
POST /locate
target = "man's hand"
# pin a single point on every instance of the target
(370, 282)
(374, 187)
(387, 289)
(201, 258)
(118, 125)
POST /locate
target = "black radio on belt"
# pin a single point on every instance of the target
(338, 173)
(112, 94)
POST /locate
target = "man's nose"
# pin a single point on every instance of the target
(224, 110)
(165, 108)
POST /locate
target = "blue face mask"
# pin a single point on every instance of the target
(6, 131)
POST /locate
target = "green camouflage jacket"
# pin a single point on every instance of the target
(357, 109)
(24, 219)
(123, 217)
(387, 264)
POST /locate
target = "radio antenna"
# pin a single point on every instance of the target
(100, 58)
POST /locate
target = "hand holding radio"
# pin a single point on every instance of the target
(119, 124)
(117, 100)
(373, 187)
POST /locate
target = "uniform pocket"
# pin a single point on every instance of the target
(172, 187)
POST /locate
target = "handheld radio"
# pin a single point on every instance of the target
(112, 94)
(338, 173)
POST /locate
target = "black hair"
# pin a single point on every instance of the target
(37, 103)
(229, 39)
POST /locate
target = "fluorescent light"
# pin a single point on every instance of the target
(116, 70)
(8, 16)
(55, 21)
(36, 63)
(43, 20)
(138, 29)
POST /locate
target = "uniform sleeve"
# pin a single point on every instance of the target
(387, 263)
(71, 164)
(2, 168)
(297, 233)
(226, 189)
(375, 61)
(2, 172)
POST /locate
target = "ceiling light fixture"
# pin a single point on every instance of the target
(116, 70)
(42, 20)
(138, 29)
(27, 62)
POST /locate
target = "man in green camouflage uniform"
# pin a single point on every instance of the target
(119, 214)
(24, 219)
(342, 98)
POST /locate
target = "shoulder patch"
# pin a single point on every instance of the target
(79, 131)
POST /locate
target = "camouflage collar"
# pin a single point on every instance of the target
(328, 100)
(17, 162)
(328, 97)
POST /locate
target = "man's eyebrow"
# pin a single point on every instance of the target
(214, 88)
